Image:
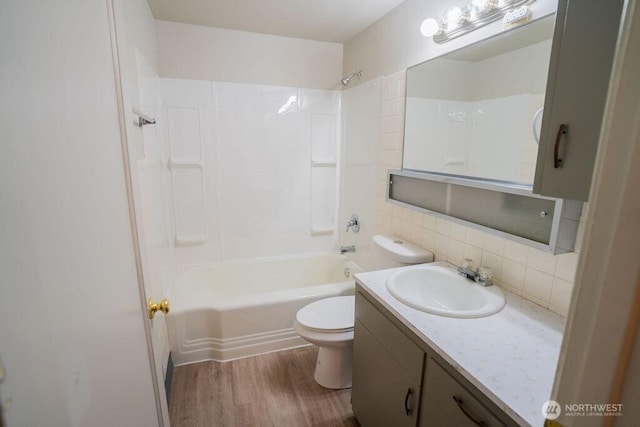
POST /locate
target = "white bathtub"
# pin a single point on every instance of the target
(238, 309)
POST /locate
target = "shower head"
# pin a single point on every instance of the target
(345, 81)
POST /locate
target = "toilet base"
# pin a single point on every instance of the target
(333, 367)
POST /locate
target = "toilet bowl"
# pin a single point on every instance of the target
(328, 323)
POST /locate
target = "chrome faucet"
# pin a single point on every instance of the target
(345, 249)
(354, 223)
(481, 277)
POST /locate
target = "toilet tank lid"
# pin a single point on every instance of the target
(402, 251)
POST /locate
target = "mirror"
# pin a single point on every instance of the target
(471, 112)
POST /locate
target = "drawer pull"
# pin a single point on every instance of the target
(407, 409)
(464, 411)
(557, 161)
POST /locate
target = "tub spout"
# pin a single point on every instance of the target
(345, 249)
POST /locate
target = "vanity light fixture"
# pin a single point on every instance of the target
(459, 21)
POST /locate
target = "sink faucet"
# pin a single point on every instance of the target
(345, 249)
(481, 277)
(354, 223)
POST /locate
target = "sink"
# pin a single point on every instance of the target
(442, 291)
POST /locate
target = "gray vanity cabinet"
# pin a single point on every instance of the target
(584, 42)
(445, 402)
(399, 381)
(387, 371)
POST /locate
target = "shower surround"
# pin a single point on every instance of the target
(254, 169)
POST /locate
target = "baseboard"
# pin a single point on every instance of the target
(223, 350)
(168, 378)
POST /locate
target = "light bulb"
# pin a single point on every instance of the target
(482, 6)
(453, 18)
(429, 27)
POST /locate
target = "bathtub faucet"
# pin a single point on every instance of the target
(345, 249)
(353, 223)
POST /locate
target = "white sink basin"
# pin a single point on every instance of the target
(442, 291)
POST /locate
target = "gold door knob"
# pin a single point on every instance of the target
(152, 307)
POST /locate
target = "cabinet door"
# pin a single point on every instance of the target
(446, 403)
(383, 394)
(582, 53)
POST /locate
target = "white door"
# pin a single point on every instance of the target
(72, 322)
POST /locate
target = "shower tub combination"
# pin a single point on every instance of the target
(243, 308)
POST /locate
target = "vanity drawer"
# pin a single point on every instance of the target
(408, 355)
(447, 403)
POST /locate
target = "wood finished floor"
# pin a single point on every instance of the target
(275, 389)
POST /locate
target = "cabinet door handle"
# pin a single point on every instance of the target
(407, 409)
(557, 161)
(464, 411)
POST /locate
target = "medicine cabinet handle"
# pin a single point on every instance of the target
(557, 161)
(464, 411)
(407, 409)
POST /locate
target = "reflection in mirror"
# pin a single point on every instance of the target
(471, 112)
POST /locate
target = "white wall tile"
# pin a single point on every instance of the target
(416, 234)
(417, 218)
(513, 273)
(560, 296)
(566, 265)
(475, 237)
(443, 227)
(537, 286)
(494, 262)
(407, 214)
(458, 232)
(473, 253)
(430, 222)
(456, 251)
(516, 252)
(429, 240)
(442, 244)
(542, 261)
(493, 244)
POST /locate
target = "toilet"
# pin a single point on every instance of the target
(328, 323)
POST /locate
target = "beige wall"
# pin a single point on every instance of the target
(204, 53)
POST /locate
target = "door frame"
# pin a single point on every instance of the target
(115, 53)
(601, 323)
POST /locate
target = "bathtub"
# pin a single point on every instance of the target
(239, 309)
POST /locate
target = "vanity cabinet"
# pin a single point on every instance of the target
(582, 52)
(387, 371)
(398, 380)
(446, 402)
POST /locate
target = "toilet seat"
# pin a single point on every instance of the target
(329, 315)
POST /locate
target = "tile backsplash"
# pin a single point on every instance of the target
(538, 276)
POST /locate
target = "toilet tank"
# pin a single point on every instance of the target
(390, 251)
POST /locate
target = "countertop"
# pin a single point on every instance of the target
(510, 356)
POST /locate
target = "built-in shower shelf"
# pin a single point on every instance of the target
(190, 240)
(323, 163)
(184, 164)
(322, 231)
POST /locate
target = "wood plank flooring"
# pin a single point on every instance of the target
(275, 389)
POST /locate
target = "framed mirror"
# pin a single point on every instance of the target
(473, 112)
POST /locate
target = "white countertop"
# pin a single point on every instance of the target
(510, 356)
